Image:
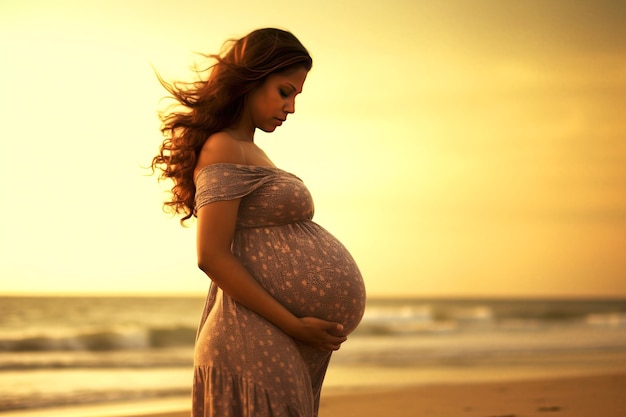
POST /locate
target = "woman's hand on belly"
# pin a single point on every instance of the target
(321, 334)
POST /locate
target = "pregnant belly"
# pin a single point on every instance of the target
(307, 270)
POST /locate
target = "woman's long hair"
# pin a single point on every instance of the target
(215, 103)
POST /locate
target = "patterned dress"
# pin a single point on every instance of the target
(244, 365)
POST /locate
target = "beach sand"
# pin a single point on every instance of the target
(582, 396)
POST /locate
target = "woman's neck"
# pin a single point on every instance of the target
(242, 132)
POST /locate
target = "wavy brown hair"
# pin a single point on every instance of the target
(215, 102)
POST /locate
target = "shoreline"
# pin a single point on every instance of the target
(583, 395)
(564, 396)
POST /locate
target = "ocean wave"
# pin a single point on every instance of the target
(434, 319)
(111, 339)
(15, 402)
(424, 319)
(614, 319)
(121, 359)
(103, 325)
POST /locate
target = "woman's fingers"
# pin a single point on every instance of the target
(335, 341)
(322, 334)
(335, 345)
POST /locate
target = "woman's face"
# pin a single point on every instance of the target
(269, 104)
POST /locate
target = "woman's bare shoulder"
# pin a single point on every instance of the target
(220, 147)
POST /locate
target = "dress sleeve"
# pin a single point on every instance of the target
(221, 182)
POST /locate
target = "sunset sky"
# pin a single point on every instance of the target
(457, 148)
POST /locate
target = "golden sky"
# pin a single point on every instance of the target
(457, 148)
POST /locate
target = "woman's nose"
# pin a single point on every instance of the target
(290, 107)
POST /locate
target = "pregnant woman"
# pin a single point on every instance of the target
(284, 292)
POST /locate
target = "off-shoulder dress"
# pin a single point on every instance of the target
(244, 365)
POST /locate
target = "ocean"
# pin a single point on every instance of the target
(73, 351)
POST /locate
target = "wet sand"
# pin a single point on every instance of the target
(583, 396)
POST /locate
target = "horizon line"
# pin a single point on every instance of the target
(381, 296)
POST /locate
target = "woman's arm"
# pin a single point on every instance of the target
(216, 225)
